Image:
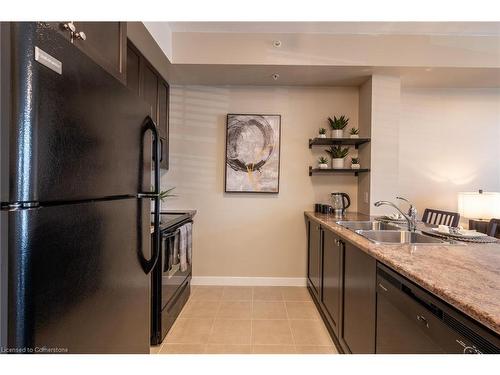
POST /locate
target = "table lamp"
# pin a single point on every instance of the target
(479, 207)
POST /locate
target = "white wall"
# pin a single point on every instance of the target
(449, 141)
(161, 32)
(244, 234)
(384, 145)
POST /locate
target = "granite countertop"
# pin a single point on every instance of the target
(465, 276)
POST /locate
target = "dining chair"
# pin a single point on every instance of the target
(438, 217)
(494, 228)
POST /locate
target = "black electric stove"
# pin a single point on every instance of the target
(170, 286)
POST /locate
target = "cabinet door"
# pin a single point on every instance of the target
(358, 329)
(332, 274)
(133, 69)
(150, 90)
(163, 92)
(106, 44)
(314, 258)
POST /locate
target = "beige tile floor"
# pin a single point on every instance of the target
(238, 320)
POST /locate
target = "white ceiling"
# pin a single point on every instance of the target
(194, 74)
(377, 28)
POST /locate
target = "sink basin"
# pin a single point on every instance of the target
(399, 237)
(368, 225)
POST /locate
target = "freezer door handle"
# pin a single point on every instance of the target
(148, 265)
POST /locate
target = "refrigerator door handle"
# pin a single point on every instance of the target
(148, 265)
(161, 150)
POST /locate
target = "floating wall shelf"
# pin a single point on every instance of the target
(337, 141)
(336, 170)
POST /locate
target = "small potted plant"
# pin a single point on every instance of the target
(355, 163)
(322, 133)
(337, 125)
(163, 195)
(322, 162)
(354, 133)
(338, 155)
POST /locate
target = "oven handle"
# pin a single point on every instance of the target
(174, 230)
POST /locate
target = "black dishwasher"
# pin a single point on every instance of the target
(412, 321)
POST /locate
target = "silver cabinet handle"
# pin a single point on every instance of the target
(70, 26)
(80, 35)
(382, 287)
(422, 319)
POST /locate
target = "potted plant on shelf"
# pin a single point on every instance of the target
(322, 133)
(337, 125)
(354, 133)
(338, 155)
(355, 163)
(322, 162)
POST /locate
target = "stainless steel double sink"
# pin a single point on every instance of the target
(385, 233)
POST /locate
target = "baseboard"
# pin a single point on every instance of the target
(249, 281)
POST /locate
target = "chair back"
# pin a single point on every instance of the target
(438, 217)
(494, 228)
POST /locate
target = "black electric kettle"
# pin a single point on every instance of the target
(340, 202)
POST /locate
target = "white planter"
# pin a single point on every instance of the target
(338, 133)
(322, 136)
(355, 166)
(354, 135)
(338, 163)
(323, 166)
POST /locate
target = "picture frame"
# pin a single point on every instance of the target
(252, 153)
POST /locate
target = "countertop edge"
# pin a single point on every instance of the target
(187, 214)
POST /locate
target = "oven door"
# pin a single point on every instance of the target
(171, 275)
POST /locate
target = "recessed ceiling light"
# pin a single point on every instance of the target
(277, 43)
(275, 76)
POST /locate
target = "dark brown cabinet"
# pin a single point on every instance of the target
(150, 90)
(133, 70)
(104, 42)
(342, 281)
(147, 83)
(398, 317)
(314, 257)
(163, 101)
(359, 301)
(332, 277)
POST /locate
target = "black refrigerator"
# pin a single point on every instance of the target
(77, 155)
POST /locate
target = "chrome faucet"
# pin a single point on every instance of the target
(410, 217)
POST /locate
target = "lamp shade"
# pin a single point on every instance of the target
(479, 205)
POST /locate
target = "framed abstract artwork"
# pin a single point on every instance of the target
(252, 153)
